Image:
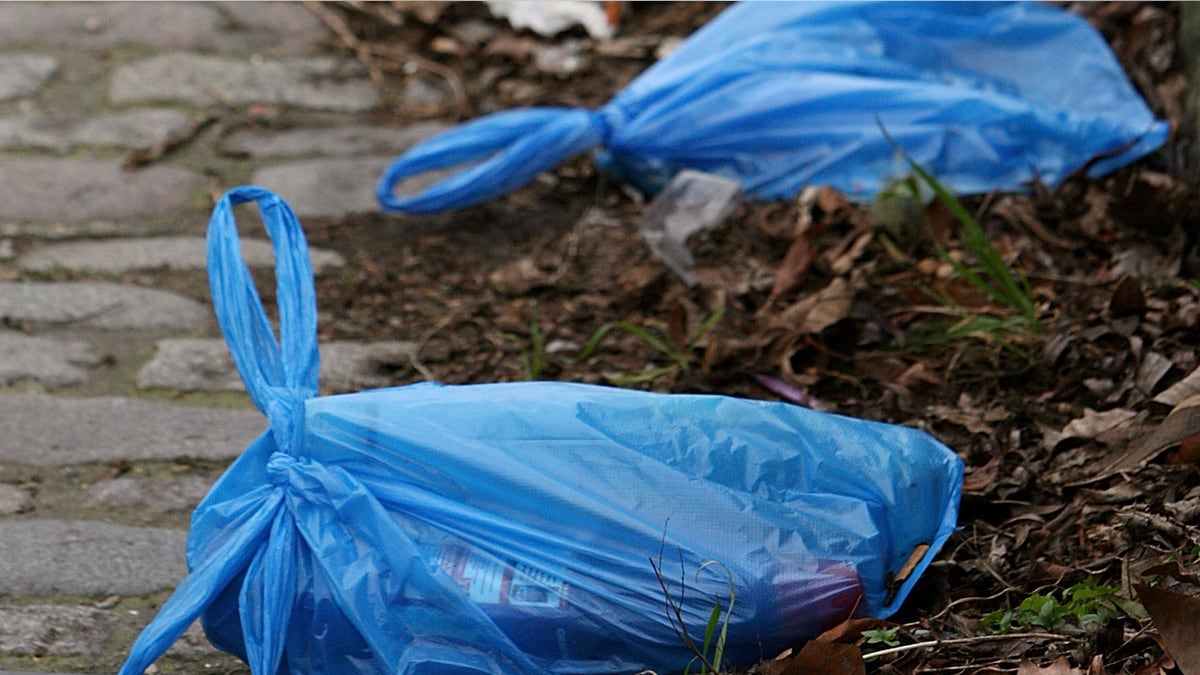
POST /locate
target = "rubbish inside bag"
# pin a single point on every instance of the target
(529, 527)
(778, 95)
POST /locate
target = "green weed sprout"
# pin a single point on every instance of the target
(656, 339)
(994, 278)
(889, 637)
(535, 359)
(1084, 602)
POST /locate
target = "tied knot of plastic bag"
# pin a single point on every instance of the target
(283, 469)
(500, 152)
(285, 413)
(280, 373)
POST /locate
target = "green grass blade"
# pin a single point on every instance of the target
(654, 341)
(1000, 283)
(594, 342)
(710, 629)
(706, 327)
(535, 359)
(639, 378)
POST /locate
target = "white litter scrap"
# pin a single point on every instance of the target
(551, 17)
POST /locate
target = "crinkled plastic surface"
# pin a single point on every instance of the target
(510, 528)
(777, 95)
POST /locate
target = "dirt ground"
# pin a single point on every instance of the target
(1075, 469)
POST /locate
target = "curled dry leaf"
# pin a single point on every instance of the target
(818, 311)
(1182, 390)
(1174, 614)
(1181, 424)
(821, 658)
(973, 418)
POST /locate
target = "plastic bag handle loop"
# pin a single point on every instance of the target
(514, 146)
(279, 373)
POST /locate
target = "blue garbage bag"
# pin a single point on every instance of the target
(777, 95)
(534, 527)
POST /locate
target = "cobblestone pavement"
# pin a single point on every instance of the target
(119, 405)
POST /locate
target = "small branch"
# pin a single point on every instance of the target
(401, 56)
(342, 29)
(963, 641)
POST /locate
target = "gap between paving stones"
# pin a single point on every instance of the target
(118, 256)
(204, 364)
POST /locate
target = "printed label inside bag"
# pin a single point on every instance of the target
(490, 581)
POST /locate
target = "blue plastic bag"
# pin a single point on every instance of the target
(515, 528)
(777, 95)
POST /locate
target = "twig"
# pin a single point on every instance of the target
(962, 641)
(339, 26)
(414, 356)
(451, 77)
(377, 10)
(963, 601)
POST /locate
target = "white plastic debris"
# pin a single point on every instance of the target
(551, 17)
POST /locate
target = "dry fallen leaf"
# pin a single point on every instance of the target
(1174, 614)
(794, 268)
(817, 311)
(1183, 422)
(1180, 391)
(850, 630)
(971, 417)
(1094, 424)
(821, 658)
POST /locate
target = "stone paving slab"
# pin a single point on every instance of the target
(335, 186)
(175, 253)
(19, 132)
(14, 500)
(41, 430)
(353, 140)
(204, 364)
(53, 363)
(142, 128)
(90, 558)
(64, 189)
(55, 630)
(317, 83)
(325, 187)
(151, 495)
(234, 27)
(101, 305)
(24, 74)
(126, 129)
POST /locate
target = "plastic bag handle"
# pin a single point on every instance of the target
(517, 145)
(279, 373)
